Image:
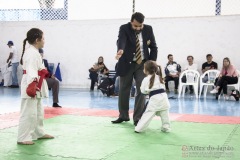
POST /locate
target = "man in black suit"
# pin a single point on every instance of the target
(134, 41)
(52, 82)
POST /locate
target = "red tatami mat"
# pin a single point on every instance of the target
(11, 119)
(208, 119)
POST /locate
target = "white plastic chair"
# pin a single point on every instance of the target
(211, 75)
(237, 85)
(192, 78)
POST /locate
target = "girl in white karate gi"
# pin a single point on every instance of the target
(32, 111)
(158, 103)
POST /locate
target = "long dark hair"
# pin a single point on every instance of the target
(102, 59)
(32, 35)
(152, 68)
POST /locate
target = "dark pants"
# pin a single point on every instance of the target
(184, 80)
(94, 78)
(136, 72)
(169, 78)
(54, 85)
(223, 82)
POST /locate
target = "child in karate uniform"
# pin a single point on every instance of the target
(33, 88)
(158, 103)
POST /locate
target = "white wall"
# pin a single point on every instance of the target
(78, 44)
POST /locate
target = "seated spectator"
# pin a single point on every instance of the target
(172, 72)
(97, 70)
(116, 89)
(116, 84)
(208, 65)
(51, 82)
(228, 75)
(192, 66)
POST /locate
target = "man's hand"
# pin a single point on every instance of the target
(53, 76)
(119, 54)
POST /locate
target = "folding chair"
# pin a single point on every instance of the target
(211, 76)
(192, 78)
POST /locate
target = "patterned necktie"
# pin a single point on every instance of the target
(138, 51)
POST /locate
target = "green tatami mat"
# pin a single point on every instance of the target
(95, 138)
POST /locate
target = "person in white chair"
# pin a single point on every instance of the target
(210, 64)
(228, 75)
(192, 66)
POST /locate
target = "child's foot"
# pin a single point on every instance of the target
(46, 136)
(26, 143)
(136, 132)
(166, 130)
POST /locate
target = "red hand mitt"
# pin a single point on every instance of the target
(32, 89)
(44, 73)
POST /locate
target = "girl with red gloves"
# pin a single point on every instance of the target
(33, 89)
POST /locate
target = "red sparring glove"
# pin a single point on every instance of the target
(44, 73)
(32, 89)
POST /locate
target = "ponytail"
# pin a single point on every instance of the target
(159, 72)
(152, 68)
(24, 44)
(151, 81)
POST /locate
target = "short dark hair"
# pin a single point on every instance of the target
(208, 55)
(138, 17)
(169, 56)
(189, 57)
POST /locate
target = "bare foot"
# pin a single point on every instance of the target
(26, 143)
(46, 136)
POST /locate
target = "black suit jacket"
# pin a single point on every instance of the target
(127, 42)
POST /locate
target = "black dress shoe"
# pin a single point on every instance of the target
(120, 120)
(135, 123)
(136, 132)
(14, 86)
(56, 105)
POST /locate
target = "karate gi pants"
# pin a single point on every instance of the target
(31, 120)
(148, 116)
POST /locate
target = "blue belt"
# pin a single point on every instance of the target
(152, 93)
